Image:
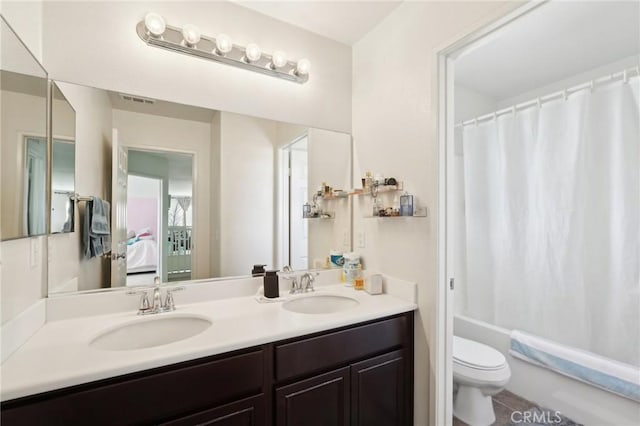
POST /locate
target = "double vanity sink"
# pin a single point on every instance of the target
(223, 356)
(106, 338)
(162, 329)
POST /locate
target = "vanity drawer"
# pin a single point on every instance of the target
(330, 350)
(165, 393)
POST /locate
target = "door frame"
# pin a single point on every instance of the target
(285, 185)
(194, 185)
(446, 57)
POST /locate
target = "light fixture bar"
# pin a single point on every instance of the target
(172, 39)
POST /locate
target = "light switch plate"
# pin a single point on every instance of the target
(361, 239)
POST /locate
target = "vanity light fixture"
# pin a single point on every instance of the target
(278, 60)
(188, 40)
(154, 24)
(252, 52)
(191, 35)
(223, 44)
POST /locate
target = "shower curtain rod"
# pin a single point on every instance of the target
(624, 75)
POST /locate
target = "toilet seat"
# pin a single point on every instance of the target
(476, 355)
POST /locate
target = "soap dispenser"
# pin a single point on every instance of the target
(270, 284)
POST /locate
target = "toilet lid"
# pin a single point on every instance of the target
(476, 355)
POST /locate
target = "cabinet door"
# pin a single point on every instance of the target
(319, 401)
(378, 389)
(247, 412)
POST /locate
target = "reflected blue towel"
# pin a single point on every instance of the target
(97, 232)
(607, 374)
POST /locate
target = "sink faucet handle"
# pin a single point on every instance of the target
(144, 299)
(156, 281)
(310, 278)
(169, 304)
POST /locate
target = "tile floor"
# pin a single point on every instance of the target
(504, 404)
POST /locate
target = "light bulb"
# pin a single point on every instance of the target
(191, 34)
(303, 67)
(154, 24)
(279, 59)
(252, 52)
(223, 44)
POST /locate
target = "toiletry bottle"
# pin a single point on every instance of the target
(270, 284)
(350, 267)
(358, 282)
(406, 204)
(368, 180)
(377, 206)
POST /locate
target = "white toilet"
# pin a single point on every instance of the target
(479, 371)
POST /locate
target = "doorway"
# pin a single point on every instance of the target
(159, 216)
(296, 183)
(144, 226)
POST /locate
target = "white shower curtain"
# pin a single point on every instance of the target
(552, 208)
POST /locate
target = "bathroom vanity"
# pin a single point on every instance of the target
(254, 364)
(361, 375)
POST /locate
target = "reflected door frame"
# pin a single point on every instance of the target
(289, 208)
(195, 202)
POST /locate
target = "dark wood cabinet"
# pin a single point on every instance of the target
(378, 388)
(319, 401)
(248, 412)
(360, 375)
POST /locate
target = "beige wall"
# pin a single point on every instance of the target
(137, 130)
(329, 160)
(117, 59)
(93, 171)
(394, 130)
(246, 193)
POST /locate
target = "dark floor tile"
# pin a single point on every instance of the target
(503, 414)
(458, 422)
(513, 401)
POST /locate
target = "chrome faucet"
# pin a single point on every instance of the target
(157, 306)
(310, 279)
(301, 285)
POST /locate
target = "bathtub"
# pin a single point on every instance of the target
(579, 401)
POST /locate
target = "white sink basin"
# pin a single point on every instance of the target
(149, 332)
(320, 304)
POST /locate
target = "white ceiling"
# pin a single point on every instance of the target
(343, 21)
(553, 42)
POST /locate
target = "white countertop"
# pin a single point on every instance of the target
(58, 355)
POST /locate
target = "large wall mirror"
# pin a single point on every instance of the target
(23, 143)
(192, 193)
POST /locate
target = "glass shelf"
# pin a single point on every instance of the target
(395, 217)
(356, 192)
(323, 216)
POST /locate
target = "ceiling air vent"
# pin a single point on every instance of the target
(136, 99)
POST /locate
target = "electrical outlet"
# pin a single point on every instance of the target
(34, 255)
(361, 239)
(345, 237)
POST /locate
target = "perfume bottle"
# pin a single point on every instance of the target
(406, 204)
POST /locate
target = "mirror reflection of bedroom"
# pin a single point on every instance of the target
(159, 216)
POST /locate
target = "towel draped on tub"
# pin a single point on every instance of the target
(96, 237)
(605, 373)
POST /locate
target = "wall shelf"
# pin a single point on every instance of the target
(323, 216)
(396, 217)
(356, 192)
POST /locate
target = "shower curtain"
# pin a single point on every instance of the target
(552, 211)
